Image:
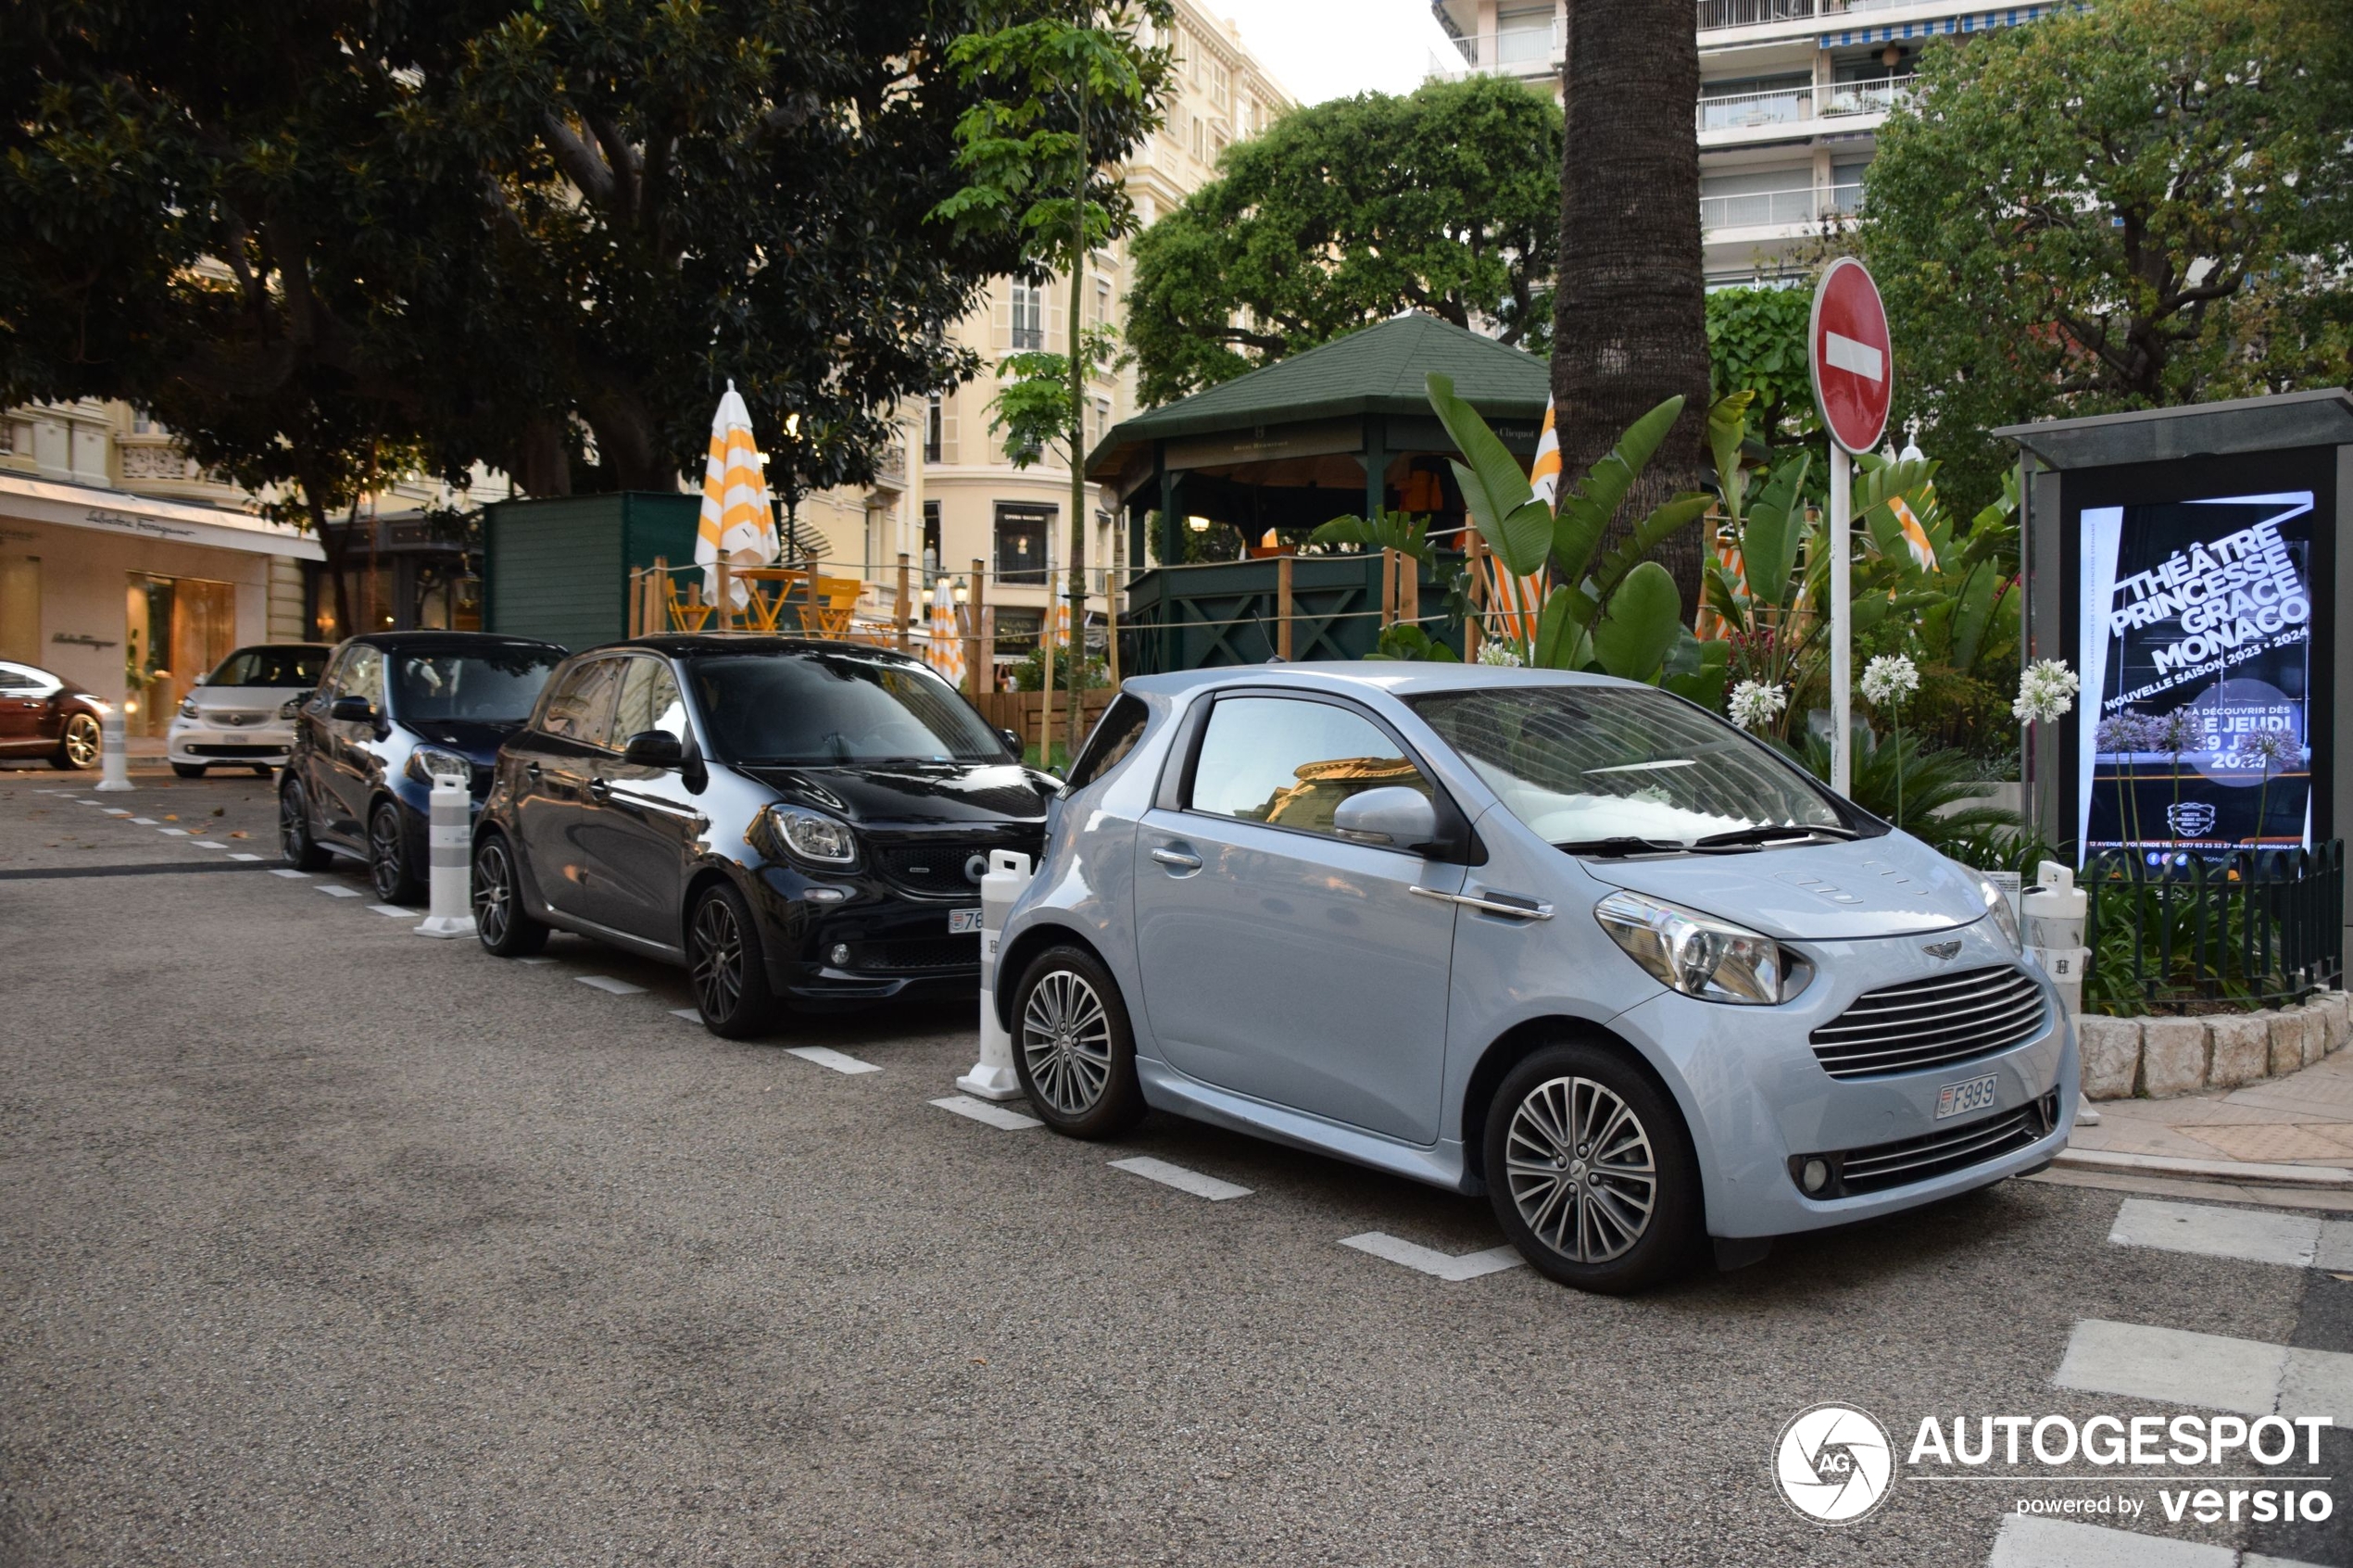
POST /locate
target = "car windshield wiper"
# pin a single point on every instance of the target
(1623, 845)
(1768, 834)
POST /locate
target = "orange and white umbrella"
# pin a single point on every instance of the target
(739, 525)
(1515, 605)
(946, 649)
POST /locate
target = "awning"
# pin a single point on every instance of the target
(177, 522)
(1978, 21)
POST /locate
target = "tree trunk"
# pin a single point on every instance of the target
(544, 463)
(332, 548)
(1629, 318)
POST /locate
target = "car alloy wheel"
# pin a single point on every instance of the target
(718, 959)
(83, 742)
(388, 855)
(1065, 1040)
(294, 845)
(494, 893)
(1580, 1168)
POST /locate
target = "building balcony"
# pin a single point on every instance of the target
(1735, 117)
(1522, 52)
(1770, 215)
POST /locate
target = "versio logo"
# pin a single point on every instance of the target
(1833, 1464)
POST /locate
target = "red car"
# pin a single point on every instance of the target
(40, 715)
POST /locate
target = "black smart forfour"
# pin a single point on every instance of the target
(790, 820)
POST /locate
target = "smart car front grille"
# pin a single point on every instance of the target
(932, 952)
(941, 871)
(1876, 1169)
(226, 749)
(1930, 1023)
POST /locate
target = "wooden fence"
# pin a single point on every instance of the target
(1018, 711)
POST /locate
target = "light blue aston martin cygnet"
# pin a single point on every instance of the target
(1563, 939)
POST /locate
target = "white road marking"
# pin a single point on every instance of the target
(1429, 1261)
(2172, 1366)
(981, 1110)
(288, 872)
(689, 1014)
(1176, 1176)
(2030, 1541)
(825, 1056)
(606, 983)
(396, 912)
(144, 822)
(535, 960)
(196, 842)
(173, 833)
(117, 811)
(1858, 359)
(245, 856)
(2290, 1240)
(337, 890)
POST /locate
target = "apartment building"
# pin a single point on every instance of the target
(1791, 95)
(949, 495)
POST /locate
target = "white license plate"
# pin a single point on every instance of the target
(960, 922)
(1959, 1100)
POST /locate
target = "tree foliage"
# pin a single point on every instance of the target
(1757, 343)
(538, 237)
(2139, 204)
(1342, 215)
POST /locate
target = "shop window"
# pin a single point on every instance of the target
(1021, 544)
(177, 628)
(21, 609)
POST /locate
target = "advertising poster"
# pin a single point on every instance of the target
(2197, 643)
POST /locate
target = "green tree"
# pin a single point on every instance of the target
(1757, 343)
(1338, 216)
(2139, 204)
(540, 237)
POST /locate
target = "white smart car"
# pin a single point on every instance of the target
(240, 715)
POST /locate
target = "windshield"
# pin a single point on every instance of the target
(1582, 765)
(488, 686)
(824, 709)
(293, 666)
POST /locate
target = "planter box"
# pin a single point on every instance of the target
(2160, 1057)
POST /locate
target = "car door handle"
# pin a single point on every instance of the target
(599, 791)
(1177, 859)
(1493, 904)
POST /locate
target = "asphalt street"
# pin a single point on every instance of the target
(324, 1242)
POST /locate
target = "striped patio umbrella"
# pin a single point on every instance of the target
(1515, 603)
(739, 525)
(946, 649)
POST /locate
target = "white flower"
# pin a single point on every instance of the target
(1755, 703)
(2047, 691)
(1498, 653)
(1891, 675)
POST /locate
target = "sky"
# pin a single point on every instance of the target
(1321, 49)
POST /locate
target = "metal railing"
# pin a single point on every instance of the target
(1717, 15)
(1512, 51)
(1785, 106)
(1876, 94)
(2257, 926)
(1756, 209)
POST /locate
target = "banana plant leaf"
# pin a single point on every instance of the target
(1680, 511)
(1585, 511)
(1776, 527)
(1641, 625)
(1698, 671)
(1390, 530)
(1495, 489)
(1727, 436)
(1561, 642)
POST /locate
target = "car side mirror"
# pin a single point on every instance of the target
(1394, 818)
(1012, 738)
(352, 710)
(653, 748)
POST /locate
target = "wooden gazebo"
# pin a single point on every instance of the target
(1346, 428)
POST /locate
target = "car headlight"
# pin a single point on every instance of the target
(808, 836)
(188, 708)
(291, 709)
(428, 761)
(1697, 954)
(1997, 904)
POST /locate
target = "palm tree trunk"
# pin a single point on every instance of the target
(1629, 318)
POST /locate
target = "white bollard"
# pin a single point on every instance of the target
(992, 1076)
(2053, 911)
(114, 770)
(450, 844)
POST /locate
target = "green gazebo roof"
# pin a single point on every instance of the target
(1377, 370)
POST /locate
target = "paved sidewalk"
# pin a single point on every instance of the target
(2304, 1118)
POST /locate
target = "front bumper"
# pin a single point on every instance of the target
(1759, 1102)
(198, 743)
(897, 945)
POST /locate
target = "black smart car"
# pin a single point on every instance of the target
(787, 818)
(392, 709)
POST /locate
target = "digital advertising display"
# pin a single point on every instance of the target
(2196, 662)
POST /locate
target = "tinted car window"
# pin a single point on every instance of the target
(816, 709)
(14, 678)
(362, 674)
(269, 666)
(650, 700)
(1290, 763)
(496, 685)
(581, 707)
(1115, 737)
(1581, 763)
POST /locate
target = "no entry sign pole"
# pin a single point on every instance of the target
(1854, 371)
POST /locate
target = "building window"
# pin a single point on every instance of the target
(141, 425)
(1220, 83)
(1029, 317)
(931, 430)
(1021, 544)
(1201, 147)
(931, 539)
(1103, 302)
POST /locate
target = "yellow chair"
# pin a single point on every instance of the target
(687, 612)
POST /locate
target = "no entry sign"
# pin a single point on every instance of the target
(1853, 372)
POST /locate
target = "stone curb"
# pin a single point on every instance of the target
(2250, 1171)
(2161, 1057)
